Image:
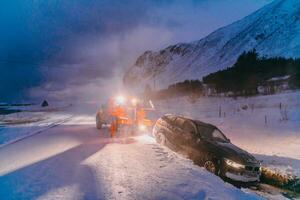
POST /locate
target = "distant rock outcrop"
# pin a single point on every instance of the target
(45, 103)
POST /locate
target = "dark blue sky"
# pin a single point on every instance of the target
(57, 48)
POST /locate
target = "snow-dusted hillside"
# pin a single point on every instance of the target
(274, 30)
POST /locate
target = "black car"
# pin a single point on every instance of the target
(207, 146)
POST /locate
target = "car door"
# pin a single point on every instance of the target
(202, 146)
(175, 134)
(188, 138)
(168, 128)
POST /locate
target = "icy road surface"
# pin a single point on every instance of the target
(76, 161)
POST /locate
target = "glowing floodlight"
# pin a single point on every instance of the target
(134, 101)
(142, 127)
(120, 100)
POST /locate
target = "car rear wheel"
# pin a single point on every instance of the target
(160, 138)
(210, 166)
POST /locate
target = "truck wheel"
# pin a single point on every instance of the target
(98, 123)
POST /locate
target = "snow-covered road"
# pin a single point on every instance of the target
(75, 161)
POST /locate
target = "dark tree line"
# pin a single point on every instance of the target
(243, 78)
(184, 88)
(250, 71)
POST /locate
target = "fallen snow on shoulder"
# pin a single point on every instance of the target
(268, 126)
(24, 124)
(79, 162)
(139, 168)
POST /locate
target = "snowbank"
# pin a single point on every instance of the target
(268, 126)
(79, 162)
(19, 125)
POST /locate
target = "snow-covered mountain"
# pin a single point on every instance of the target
(274, 30)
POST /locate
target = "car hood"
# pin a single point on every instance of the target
(232, 152)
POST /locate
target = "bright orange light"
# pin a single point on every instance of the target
(145, 139)
(142, 127)
(134, 101)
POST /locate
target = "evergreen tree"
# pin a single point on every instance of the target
(250, 71)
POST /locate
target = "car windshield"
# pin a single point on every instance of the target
(218, 135)
(212, 134)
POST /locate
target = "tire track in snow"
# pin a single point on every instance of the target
(52, 125)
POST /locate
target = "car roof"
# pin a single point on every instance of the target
(198, 122)
(204, 124)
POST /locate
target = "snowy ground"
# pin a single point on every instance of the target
(22, 124)
(267, 126)
(75, 161)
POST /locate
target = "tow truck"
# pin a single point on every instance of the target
(127, 114)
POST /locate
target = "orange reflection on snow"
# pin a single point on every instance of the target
(145, 139)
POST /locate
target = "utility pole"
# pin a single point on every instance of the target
(156, 71)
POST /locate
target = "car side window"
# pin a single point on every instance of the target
(179, 122)
(204, 131)
(169, 119)
(188, 127)
(172, 118)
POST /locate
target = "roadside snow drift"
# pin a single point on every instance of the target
(266, 126)
(76, 161)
